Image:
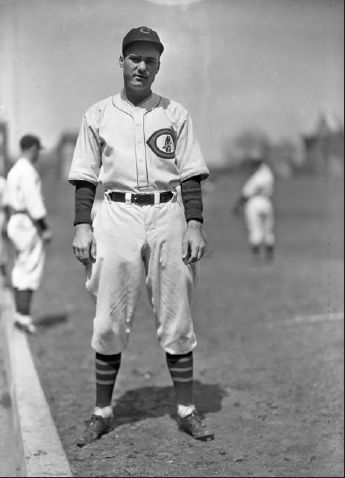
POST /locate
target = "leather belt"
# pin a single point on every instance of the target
(18, 211)
(140, 199)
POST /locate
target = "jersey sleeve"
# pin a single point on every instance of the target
(189, 157)
(31, 190)
(250, 187)
(87, 157)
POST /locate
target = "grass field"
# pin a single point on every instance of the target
(269, 360)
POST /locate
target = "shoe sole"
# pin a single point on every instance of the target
(80, 444)
(24, 328)
(209, 436)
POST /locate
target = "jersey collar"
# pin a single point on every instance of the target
(148, 104)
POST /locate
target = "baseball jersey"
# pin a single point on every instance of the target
(261, 183)
(145, 148)
(2, 190)
(2, 218)
(23, 191)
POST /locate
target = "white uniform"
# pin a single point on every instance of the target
(150, 148)
(23, 195)
(3, 255)
(258, 209)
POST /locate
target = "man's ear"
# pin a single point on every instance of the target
(158, 66)
(121, 61)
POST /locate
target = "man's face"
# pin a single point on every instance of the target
(140, 65)
(35, 152)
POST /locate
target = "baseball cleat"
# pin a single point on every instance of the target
(29, 328)
(95, 428)
(193, 425)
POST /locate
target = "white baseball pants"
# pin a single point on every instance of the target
(3, 253)
(260, 221)
(130, 239)
(30, 252)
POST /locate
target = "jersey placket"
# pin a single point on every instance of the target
(140, 150)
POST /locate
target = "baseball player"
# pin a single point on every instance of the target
(142, 148)
(256, 199)
(3, 220)
(27, 229)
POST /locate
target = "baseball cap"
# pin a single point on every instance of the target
(142, 34)
(29, 140)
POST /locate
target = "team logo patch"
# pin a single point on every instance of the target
(163, 143)
(145, 30)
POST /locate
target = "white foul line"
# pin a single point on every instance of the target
(310, 319)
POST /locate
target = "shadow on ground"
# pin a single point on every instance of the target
(152, 402)
(51, 319)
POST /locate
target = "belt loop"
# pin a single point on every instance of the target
(175, 195)
(157, 198)
(128, 197)
(107, 195)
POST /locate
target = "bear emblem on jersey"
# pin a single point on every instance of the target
(163, 143)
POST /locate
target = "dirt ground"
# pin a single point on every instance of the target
(269, 360)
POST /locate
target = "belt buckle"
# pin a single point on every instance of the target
(136, 198)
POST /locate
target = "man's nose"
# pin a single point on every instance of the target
(142, 66)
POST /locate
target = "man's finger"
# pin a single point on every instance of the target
(201, 253)
(185, 251)
(93, 250)
(81, 254)
(193, 257)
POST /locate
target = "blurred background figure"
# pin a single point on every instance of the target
(256, 200)
(3, 255)
(27, 228)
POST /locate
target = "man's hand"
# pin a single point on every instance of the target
(46, 235)
(238, 206)
(84, 244)
(194, 244)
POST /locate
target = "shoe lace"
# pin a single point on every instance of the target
(194, 416)
(93, 420)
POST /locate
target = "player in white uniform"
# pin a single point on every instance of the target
(3, 253)
(27, 228)
(141, 147)
(256, 198)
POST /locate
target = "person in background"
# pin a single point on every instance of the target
(256, 202)
(3, 233)
(27, 229)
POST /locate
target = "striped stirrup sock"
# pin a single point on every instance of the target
(22, 299)
(181, 371)
(107, 367)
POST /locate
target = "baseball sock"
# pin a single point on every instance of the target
(256, 251)
(181, 371)
(22, 299)
(3, 270)
(107, 367)
(269, 250)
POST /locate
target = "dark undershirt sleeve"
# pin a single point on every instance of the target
(41, 224)
(84, 198)
(192, 198)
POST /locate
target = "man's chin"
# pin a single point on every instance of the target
(139, 86)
